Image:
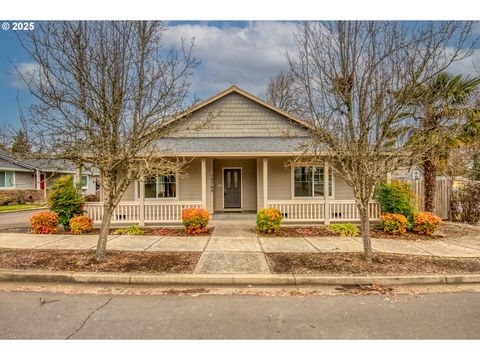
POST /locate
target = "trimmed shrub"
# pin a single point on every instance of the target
(466, 203)
(425, 223)
(395, 224)
(44, 222)
(65, 200)
(347, 229)
(396, 198)
(131, 230)
(195, 220)
(268, 220)
(81, 224)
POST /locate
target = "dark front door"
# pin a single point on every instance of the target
(232, 188)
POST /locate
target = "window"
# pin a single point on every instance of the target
(161, 187)
(416, 175)
(6, 179)
(84, 181)
(309, 180)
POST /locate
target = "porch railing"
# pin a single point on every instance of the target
(314, 210)
(130, 212)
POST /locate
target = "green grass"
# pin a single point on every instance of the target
(6, 208)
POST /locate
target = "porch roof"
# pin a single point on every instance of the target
(232, 144)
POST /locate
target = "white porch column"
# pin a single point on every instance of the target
(141, 220)
(326, 192)
(37, 179)
(204, 183)
(389, 177)
(265, 182)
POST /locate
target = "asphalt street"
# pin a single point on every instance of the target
(16, 219)
(37, 315)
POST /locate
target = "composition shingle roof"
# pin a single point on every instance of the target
(231, 144)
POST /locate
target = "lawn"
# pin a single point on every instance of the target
(6, 208)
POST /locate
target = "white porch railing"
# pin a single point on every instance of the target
(314, 210)
(129, 212)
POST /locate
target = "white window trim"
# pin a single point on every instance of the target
(177, 191)
(88, 182)
(14, 180)
(292, 180)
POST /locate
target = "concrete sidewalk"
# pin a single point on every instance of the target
(238, 250)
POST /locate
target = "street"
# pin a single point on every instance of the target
(55, 315)
(16, 219)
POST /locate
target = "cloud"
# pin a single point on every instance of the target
(24, 71)
(467, 67)
(232, 55)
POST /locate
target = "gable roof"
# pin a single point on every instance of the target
(235, 89)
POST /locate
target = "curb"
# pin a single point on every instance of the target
(22, 210)
(233, 279)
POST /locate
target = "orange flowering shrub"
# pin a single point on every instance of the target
(395, 224)
(195, 220)
(268, 220)
(44, 222)
(81, 224)
(425, 223)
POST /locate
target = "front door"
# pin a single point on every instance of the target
(232, 188)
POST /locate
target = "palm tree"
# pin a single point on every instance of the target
(444, 106)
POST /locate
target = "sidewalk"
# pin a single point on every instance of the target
(238, 250)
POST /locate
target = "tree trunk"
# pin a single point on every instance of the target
(78, 175)
(429, 176)
(104, 230)
(365, 228)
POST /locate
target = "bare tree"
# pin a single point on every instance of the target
(282, 92)
(106, 92)
(356, 78)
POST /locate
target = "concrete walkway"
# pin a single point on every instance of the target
(238, 250)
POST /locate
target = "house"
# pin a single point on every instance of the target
(239, 149)
(23, 180)
(414, 172)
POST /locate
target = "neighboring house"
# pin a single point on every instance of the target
(239, 163)
(28, 180)
(407, 174)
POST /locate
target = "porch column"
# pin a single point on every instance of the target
(265, 182)
(141, 220)
(204, 183)
(326, 192)
(389, 177)
(37, 179)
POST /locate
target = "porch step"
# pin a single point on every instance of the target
(234, 216)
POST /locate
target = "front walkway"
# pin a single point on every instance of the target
(236, 249)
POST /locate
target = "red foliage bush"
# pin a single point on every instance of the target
(44, 222)
(425, 223)
(195, 220)
(395, 224)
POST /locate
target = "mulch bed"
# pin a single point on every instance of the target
(298, 231)
(84, 261)
(353, 263)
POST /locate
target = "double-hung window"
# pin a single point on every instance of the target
(7, 179)
(309, 181)
(162, 187)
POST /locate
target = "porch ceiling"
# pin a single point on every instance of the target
(232, 144)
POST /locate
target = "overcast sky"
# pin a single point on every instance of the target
(245, 54)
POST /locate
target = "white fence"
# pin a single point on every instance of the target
(314, 210)
(131, 212)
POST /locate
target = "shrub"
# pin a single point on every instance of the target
(195, 220)
(268, 220)
(396, 198)
(425, 223)
(395, 224)
(81, 224)
(346, 229)
(65, 200)
(44, 222)
(466, 203)
(131, 230)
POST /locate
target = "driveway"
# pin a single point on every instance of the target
(16, 219)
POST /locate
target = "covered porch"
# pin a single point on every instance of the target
(240, 184)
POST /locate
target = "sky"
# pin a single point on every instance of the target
(242, 53)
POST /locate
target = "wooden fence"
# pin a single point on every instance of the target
(443, 195)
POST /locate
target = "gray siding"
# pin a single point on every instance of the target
(190, 183)
(249, 182)
(279, 179)
(24, 180)
(236, 116)
(342, 190)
